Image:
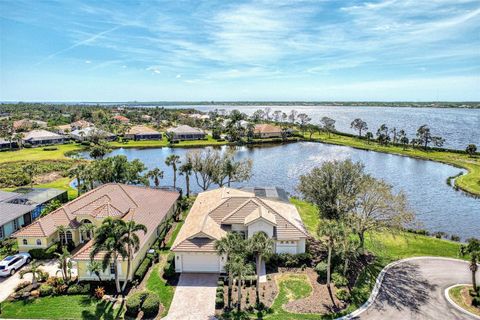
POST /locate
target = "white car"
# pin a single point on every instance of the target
(12, 264)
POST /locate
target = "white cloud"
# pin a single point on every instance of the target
(88, 61)
(178, 76)
(154, 69)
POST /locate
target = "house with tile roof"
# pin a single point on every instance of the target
(80, 124)
(121, 119)
(147, 206)
(246, 211)
(185, 132)
(90, 133)
(142, 133)
(42, 137)
(265, 130)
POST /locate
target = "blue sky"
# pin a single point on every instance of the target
(235, 50)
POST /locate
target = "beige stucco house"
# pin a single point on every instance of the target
(147, 206)
(248, 211)
(265, 130)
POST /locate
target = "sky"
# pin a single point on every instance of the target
(265, 50)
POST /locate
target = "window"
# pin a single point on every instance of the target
(39, 242)
(112, 268)
(69, 236)
(1, 232)
(25, 242)
(15, 224)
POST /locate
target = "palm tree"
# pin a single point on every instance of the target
(349, 251)
(109, 240)
(87, 229)
(237, 266)
(172, 160)
(229, 246)
(30, 170)
(78, 172)
(332, 231)
(61, 229)
(186, 170)
(130, 238)
(18, 138)
(156, 174)
(34, 269)
(262, 247)
(473, 249)
(64, 263)
(95, 267)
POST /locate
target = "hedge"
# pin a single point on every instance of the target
(45, 290)
(134, 302)
(150, 305)
(78, 289)
(143, 268)
(43, 254)
(148, 302)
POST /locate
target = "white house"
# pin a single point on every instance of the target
(248, 211)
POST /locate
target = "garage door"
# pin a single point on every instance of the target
(292, 249)
(200, 263)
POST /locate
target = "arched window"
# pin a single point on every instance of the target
(25, 242)
(69, 236)
(39, 242)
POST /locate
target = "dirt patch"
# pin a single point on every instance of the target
(48, 177)
(319, 301)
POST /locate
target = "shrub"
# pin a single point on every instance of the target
(150, 305)
(134, 302)
(143, 268)
(169, 270)
(42, 276)
(22, 285)
(60, 289)
(220, 283)
(45, 290)
(99, 292)
(321, 269)
(339, 280)
(476, 301)
(342, 294)
(78, 289)
(219, 303)
(454, 237)
(50, 148)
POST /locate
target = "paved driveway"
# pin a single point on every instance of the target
(415, 290)
(8, 284)
(194, 297)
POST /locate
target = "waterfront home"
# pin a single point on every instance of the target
(21, 207)
(147, 206)
(121, 119)
(5, 144)
(91, 133)
(80, 124)
(266, 130)
(42, 137)
(185, 132)
(27, 124)
(246, 211)
(142, 133)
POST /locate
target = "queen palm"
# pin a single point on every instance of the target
(237, 266)
(332, 230)
(109, 240)
(186, 170)
(95, 267)
(30, 170)
(472, 249)
(62, 230)
(172, 161)
(230, 245)
(34, 269)
(261, 246)
(156, 174)
(64, 263)
(130, 238)
(78, 172)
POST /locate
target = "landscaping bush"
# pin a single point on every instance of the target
(99, 292)
(169, 270)
(219, 303)
(220, 283)
(134, 302)
(42, 276)
(339, 280)
(143, 268)
(150, 305)
(342, 294)
(45, 290)
(43, 254)
(476, 301)
(289, 260)
(22, 285)
(78, 289)
(50, 148)
(251, 280)
(321, 269)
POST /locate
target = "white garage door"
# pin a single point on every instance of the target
(292, 249)
(201, 263)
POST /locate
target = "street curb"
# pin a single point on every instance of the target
(378, 284)
(455, 305)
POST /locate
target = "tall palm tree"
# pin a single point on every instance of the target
(261, 246)
(473, 249)
(237, 266)
(186, 170)
(34, 269)
(78, 172)
(156, 174)
(18, 138)
(229, 246)
(172, 161)
(30, 170)
(109, 241)
(130, 238)
(62, 230)
(332, 230)
(64, 263)
(87, 229)
(95, 267)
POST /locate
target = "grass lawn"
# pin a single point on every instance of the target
(60, 307)
(469, 182)
(39, 153)
(455, 294)
(164, 143)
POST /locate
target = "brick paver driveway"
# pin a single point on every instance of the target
(194, 297)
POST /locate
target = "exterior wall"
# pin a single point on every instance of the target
(268, 135)
(45, 142)
(258, 226)
(9, 227)
(32, 243)
(147, 136)
(286, 246)
(197, 136)
(236, 227)
(301, 245)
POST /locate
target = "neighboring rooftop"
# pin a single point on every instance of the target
(267, 128)
(142, 130)
(89, 131)
(184, 129)
(40, 135)
(121, 118)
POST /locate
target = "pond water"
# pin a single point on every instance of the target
(459, 127)
(438, 206)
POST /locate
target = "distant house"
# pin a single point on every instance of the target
(146, 117)
(199, 116)
(90, 133)
(80, 124)
(42, 137)
(266, 130)
(20, 208)
(185, 132)
(4, 144)
(27, 124)
(142, 133)
(121, 119)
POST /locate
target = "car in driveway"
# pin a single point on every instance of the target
(12, 264)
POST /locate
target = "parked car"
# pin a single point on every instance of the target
(12, 264)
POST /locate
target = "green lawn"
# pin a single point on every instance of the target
(469, 182)
(39, 153)
(164, 143)
(60, 307)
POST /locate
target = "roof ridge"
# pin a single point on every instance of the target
(89, 203)
(281, 215)
(238, 208)
(126, 193)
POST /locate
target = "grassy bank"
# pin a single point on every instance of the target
(469, 182)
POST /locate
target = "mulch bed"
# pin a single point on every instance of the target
(467, 299)
(268, 292)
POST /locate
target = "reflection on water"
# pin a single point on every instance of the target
(438, 206)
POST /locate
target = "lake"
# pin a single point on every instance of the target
(438, 206)
(459, 127)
